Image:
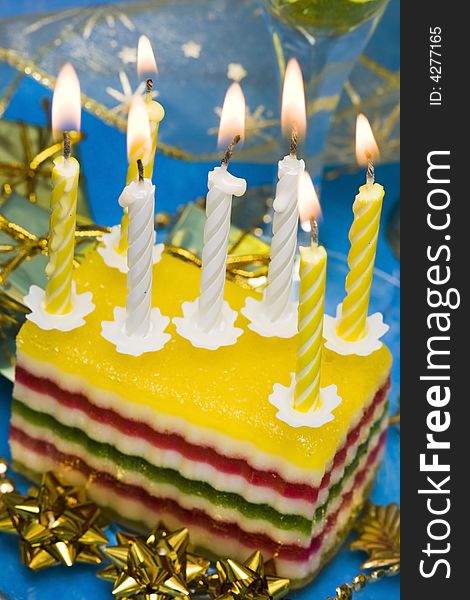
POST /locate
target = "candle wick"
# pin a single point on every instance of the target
(314, 232)
(149, 88)
(293, 141)
(67, 145)
(370, 176)
(229, 151)
(140, 169)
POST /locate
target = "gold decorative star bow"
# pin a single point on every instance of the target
(160, 567)
(154, 567)
(248, 580)
(56, 525)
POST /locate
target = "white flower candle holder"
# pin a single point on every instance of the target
(282, 398)
(375, 329)
(82, 306)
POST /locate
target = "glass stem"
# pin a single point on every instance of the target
(326, 62)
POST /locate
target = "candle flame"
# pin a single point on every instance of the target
(66, 102)
(146, 63)
(232, 120)
(138, 130)
(366, 146)
(309, 204)
(293, 111)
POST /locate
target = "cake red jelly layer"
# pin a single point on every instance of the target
(165, 440)
(196, 517)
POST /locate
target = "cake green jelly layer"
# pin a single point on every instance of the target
(160, 475)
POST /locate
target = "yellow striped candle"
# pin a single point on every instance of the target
(62, 235)
(156, 113)
(363, 237)
(66, 112)
(311, 304)
(146, 65)
(310, 336)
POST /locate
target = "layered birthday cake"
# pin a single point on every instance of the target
(179, 397)
(188, 436)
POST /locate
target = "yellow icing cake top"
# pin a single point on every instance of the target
(225, 390)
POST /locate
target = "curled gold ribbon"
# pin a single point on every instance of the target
(29, 245)
(236, 265)
(239, 267)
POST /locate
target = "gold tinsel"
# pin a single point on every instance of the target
(379, 536)
(379, 531)
(25, 244)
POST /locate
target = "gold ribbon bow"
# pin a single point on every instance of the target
(56, 524)
(35, 165)
(155, 566)
(160, 566)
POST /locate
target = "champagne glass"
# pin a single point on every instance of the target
(326, 37)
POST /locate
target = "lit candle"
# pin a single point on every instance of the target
(66, 109)
(363, 236)
(138, 197)
(222, 186)
(146, 68)
(311, 303)
(285, 222)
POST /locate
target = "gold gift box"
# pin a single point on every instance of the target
(26, 161)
